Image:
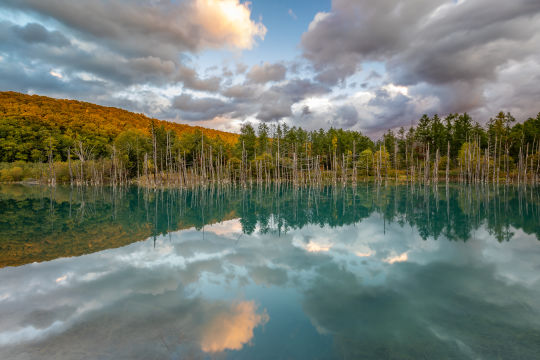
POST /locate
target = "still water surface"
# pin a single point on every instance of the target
(334, 273)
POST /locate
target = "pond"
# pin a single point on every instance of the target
(364, 272)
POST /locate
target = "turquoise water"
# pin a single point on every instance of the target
(369, 272)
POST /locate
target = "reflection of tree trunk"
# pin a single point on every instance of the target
(447, 162)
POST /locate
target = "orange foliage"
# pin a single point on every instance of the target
(78, 115)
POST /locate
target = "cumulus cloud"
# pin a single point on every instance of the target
(266, 72)
(227, 21)
(37, 33)
(408, 58)
(277, 101)
(120, 44)
(201, 108)
(191, 80)
(346, 116)
(455, 50)
(241, 91)
(240, 101)
(274, 106)
(159, 28)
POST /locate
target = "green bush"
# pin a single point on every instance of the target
(61, 170)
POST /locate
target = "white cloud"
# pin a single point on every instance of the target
(56, 74)
(393, 89)
(228, 22)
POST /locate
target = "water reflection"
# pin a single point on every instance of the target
(328, 273)
(38, 224)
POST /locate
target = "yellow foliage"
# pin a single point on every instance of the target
(77, 116)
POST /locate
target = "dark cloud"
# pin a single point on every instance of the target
(298, 89)
(241, 91)
(266, 72)
(21, 75)
(346, 116)
(391, 110)
(142, 28)
(37, 33)
(452, 50)
(267, 103)
(51, 49)
(191, 80)
(274, 106)
(201, 108)
(277, 101)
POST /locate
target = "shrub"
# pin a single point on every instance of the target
(11, 174)
(16, 173)
(5, 175)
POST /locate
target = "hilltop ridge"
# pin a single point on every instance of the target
(83, 117)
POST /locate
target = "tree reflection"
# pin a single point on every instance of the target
(38, 224)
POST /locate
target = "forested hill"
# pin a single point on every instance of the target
(37, 116)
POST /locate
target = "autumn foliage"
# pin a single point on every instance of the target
(31, 123)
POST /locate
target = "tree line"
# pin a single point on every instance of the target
(154, 152)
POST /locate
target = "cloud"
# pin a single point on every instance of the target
(201, 108)
(266, 72)
(241, 68)
(346, 116)
(433, 47)
(104, 50)
(275, 105)
(242, 91)
(37, 33)
(227, 22)
(277, 101)
(408, 58)
(157, 28)
(191, 80)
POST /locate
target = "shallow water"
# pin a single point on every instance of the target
(334, 273)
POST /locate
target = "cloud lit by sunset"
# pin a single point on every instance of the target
(228, 22)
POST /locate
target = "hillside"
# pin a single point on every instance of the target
(29, 115)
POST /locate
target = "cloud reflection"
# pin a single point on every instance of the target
(233, 329)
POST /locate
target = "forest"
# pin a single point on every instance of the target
(65, 141)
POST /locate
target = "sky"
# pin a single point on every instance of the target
(353, 64)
